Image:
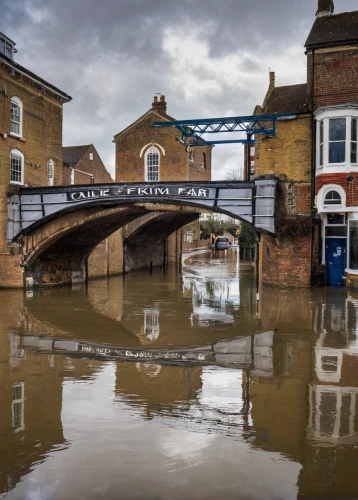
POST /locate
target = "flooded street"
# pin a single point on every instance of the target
(179, 387)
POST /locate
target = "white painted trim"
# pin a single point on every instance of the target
(150, 144)
(51, 178)
(18, 152)
(321, 195)
(17, 101)
(146, 166)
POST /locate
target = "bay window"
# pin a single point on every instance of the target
(337, 140)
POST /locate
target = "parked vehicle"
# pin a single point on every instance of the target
(221, 243)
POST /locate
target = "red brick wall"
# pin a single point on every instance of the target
(95, 167)
(174, 166)
(285, 262)
(335, 75)
(351, 188)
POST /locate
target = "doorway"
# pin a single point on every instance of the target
(336, 249)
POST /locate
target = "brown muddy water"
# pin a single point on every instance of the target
(179, 387)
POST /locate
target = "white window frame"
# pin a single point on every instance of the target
(151, 150)
(189, 236)
(18, 153)
(323, 210)
(51, 172)
(91, 156)
(323, 116)
(354, 141)
(16, 100)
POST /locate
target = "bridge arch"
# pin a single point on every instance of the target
(59, 227)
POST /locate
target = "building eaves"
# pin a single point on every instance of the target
(287, 99)
(328, 31)
(32, 76)
(163, 116)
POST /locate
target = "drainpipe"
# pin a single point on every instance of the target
(313, 163)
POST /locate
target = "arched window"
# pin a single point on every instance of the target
(333, 198)
(16, 167)
(50, 172)
(152, 161)
(16, 116)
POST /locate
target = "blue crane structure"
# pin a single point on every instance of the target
(192, 131)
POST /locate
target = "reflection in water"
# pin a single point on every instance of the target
(252, 406)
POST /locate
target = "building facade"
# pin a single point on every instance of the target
(314, 156)
(30, 143)
(148, 154)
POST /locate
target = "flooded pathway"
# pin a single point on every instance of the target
(179, 387)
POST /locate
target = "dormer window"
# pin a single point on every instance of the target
(7, 46)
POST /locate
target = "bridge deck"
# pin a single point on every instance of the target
(252, 201)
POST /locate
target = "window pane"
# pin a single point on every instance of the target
(337, 152)
(321, 155)
(2, 46)
(335, 219)
(332, 198)
(15, 118)
(8, 50)
(354, 129)
(353, 245)
(16, 168)
(336, 231)
(337, 129)
(353, 152)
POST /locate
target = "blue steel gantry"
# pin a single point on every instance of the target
(193, 130)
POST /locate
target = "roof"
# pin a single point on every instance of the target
(164, 116)
(41, 81)
(73, 154)
(332, 30)
(288, 99)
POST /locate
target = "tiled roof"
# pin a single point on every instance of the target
(288, 99)
(72, 154)
(330, 30)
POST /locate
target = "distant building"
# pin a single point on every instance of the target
(83, 165)
(148, 154)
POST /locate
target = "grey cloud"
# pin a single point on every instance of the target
(109, 56)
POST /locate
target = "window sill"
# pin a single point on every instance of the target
(17, 137)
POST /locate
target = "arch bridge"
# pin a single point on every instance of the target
(58, 227)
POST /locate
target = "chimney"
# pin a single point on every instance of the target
(272, 80)
(325, 8)
(160, 105)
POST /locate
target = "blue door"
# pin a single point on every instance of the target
(336, 261)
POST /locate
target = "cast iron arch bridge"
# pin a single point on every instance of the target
(250, 201)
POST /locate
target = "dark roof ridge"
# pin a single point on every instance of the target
(336, 29)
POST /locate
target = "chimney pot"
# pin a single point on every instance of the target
(155, 98)
(162, 98)
(159, 104)
(325, 8)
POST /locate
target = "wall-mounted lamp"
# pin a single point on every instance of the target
(350, 178)
(4, 92)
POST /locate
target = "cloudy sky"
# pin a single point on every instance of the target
(208, 57)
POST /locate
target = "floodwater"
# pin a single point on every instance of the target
(179, 387)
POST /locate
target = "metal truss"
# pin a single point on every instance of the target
(193, 130)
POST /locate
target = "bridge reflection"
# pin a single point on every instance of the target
(290, 389)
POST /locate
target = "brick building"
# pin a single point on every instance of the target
(145, 153)
(30, 142)
(83, 165)
(314, 155)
